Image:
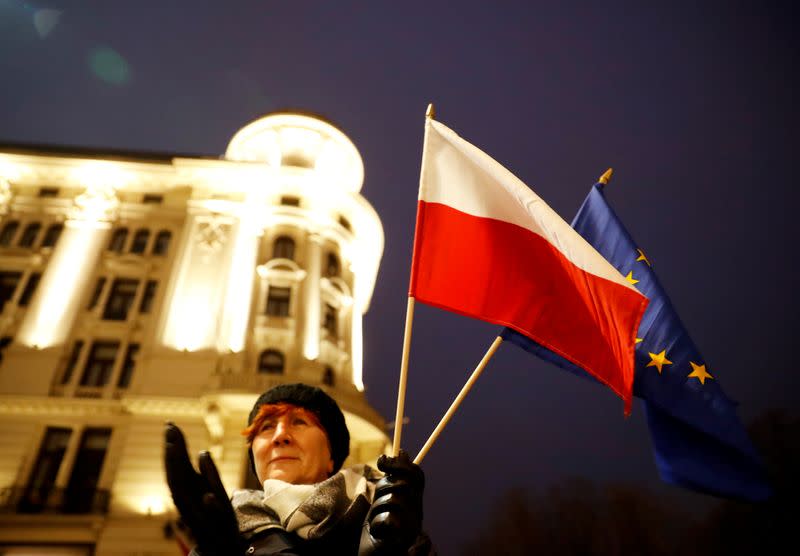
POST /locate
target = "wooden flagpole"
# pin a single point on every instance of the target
(401, 388)
(461, 395)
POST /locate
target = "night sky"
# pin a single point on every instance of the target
(692, 105)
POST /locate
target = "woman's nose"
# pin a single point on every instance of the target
(281, 435)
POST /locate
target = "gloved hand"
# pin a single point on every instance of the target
(394, 520)
(201, 498)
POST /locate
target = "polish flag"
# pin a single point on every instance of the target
(488, 247)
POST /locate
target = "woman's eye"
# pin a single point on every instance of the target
(267, 426)
(299, 421)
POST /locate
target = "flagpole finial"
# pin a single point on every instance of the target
(430, 112)
(606, 176)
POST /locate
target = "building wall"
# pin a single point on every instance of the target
(125, 331)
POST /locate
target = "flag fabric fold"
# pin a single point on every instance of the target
(486, 246)
(698, 440)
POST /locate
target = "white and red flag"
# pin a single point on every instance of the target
(488, 247)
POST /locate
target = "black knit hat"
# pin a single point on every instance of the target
(321, 405)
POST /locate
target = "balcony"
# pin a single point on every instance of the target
(54, 501)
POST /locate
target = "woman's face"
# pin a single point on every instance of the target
(292, 448)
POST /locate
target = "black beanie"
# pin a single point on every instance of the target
(321, 405)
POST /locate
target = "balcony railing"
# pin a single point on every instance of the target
(54, 500)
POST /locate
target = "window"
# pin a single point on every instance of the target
(101, 361)
(82, 495)
(30, 234)
(344, 223)
(332, 266)
(123, 290)
(140, 240)
(43, 475)
(118, 239)
(72, 362)
(328, 378)
(98, 291)
(8, 233)
(127, 367)
(161, 245)
(283, 248)
(30, 289)
(271, 362)
(329, 322)
(149, 295)
(48, 192)
(8, 285)
(52, 234)
(278, 301)
(290, 201)
(152, 199)
(5, 341)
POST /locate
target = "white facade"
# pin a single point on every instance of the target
(137, 289)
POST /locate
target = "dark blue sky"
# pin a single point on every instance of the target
(693, 106)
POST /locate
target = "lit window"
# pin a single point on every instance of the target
(100, 363)
(123, 290)
(52, 234)
(30, 289)
(43, 474)
(332, 268)
(278, 301)
(140, 241)
(8, 233)
(8, 285)
(161, 245)
(148, 296)
(72, 362)
(118, 239)
(328, 378)
(30, 234)
(283, 248)
(271, 362)
(82, 495)
(98, 290)
(329, 322)
(127, 366)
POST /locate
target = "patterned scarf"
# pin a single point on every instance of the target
(309, 511)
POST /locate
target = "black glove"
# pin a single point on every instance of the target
(201, 498)
(394, 520)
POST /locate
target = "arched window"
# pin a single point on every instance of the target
(161, 245)
(8, 233)
(117, 243)
(140, 239)
(30, 234)
(283, 248)
(332, 266)
(52, 234)
(271, 362)
(328, 378)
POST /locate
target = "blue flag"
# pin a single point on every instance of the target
(698, 440)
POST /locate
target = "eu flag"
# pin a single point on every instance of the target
(698, 440)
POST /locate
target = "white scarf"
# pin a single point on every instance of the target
(309, 511)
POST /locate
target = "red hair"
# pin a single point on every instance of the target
(279, 409)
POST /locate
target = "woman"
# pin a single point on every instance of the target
(297, 441)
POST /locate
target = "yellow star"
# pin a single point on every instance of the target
(699, 372)
(657, 360)
(638, 340)
(631, 279)
(642, 257)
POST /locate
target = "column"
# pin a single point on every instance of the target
(311, 304)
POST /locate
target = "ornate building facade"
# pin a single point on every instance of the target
(139, 288)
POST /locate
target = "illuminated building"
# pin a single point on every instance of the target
(140, 288)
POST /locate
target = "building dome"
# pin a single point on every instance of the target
(292, 139)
